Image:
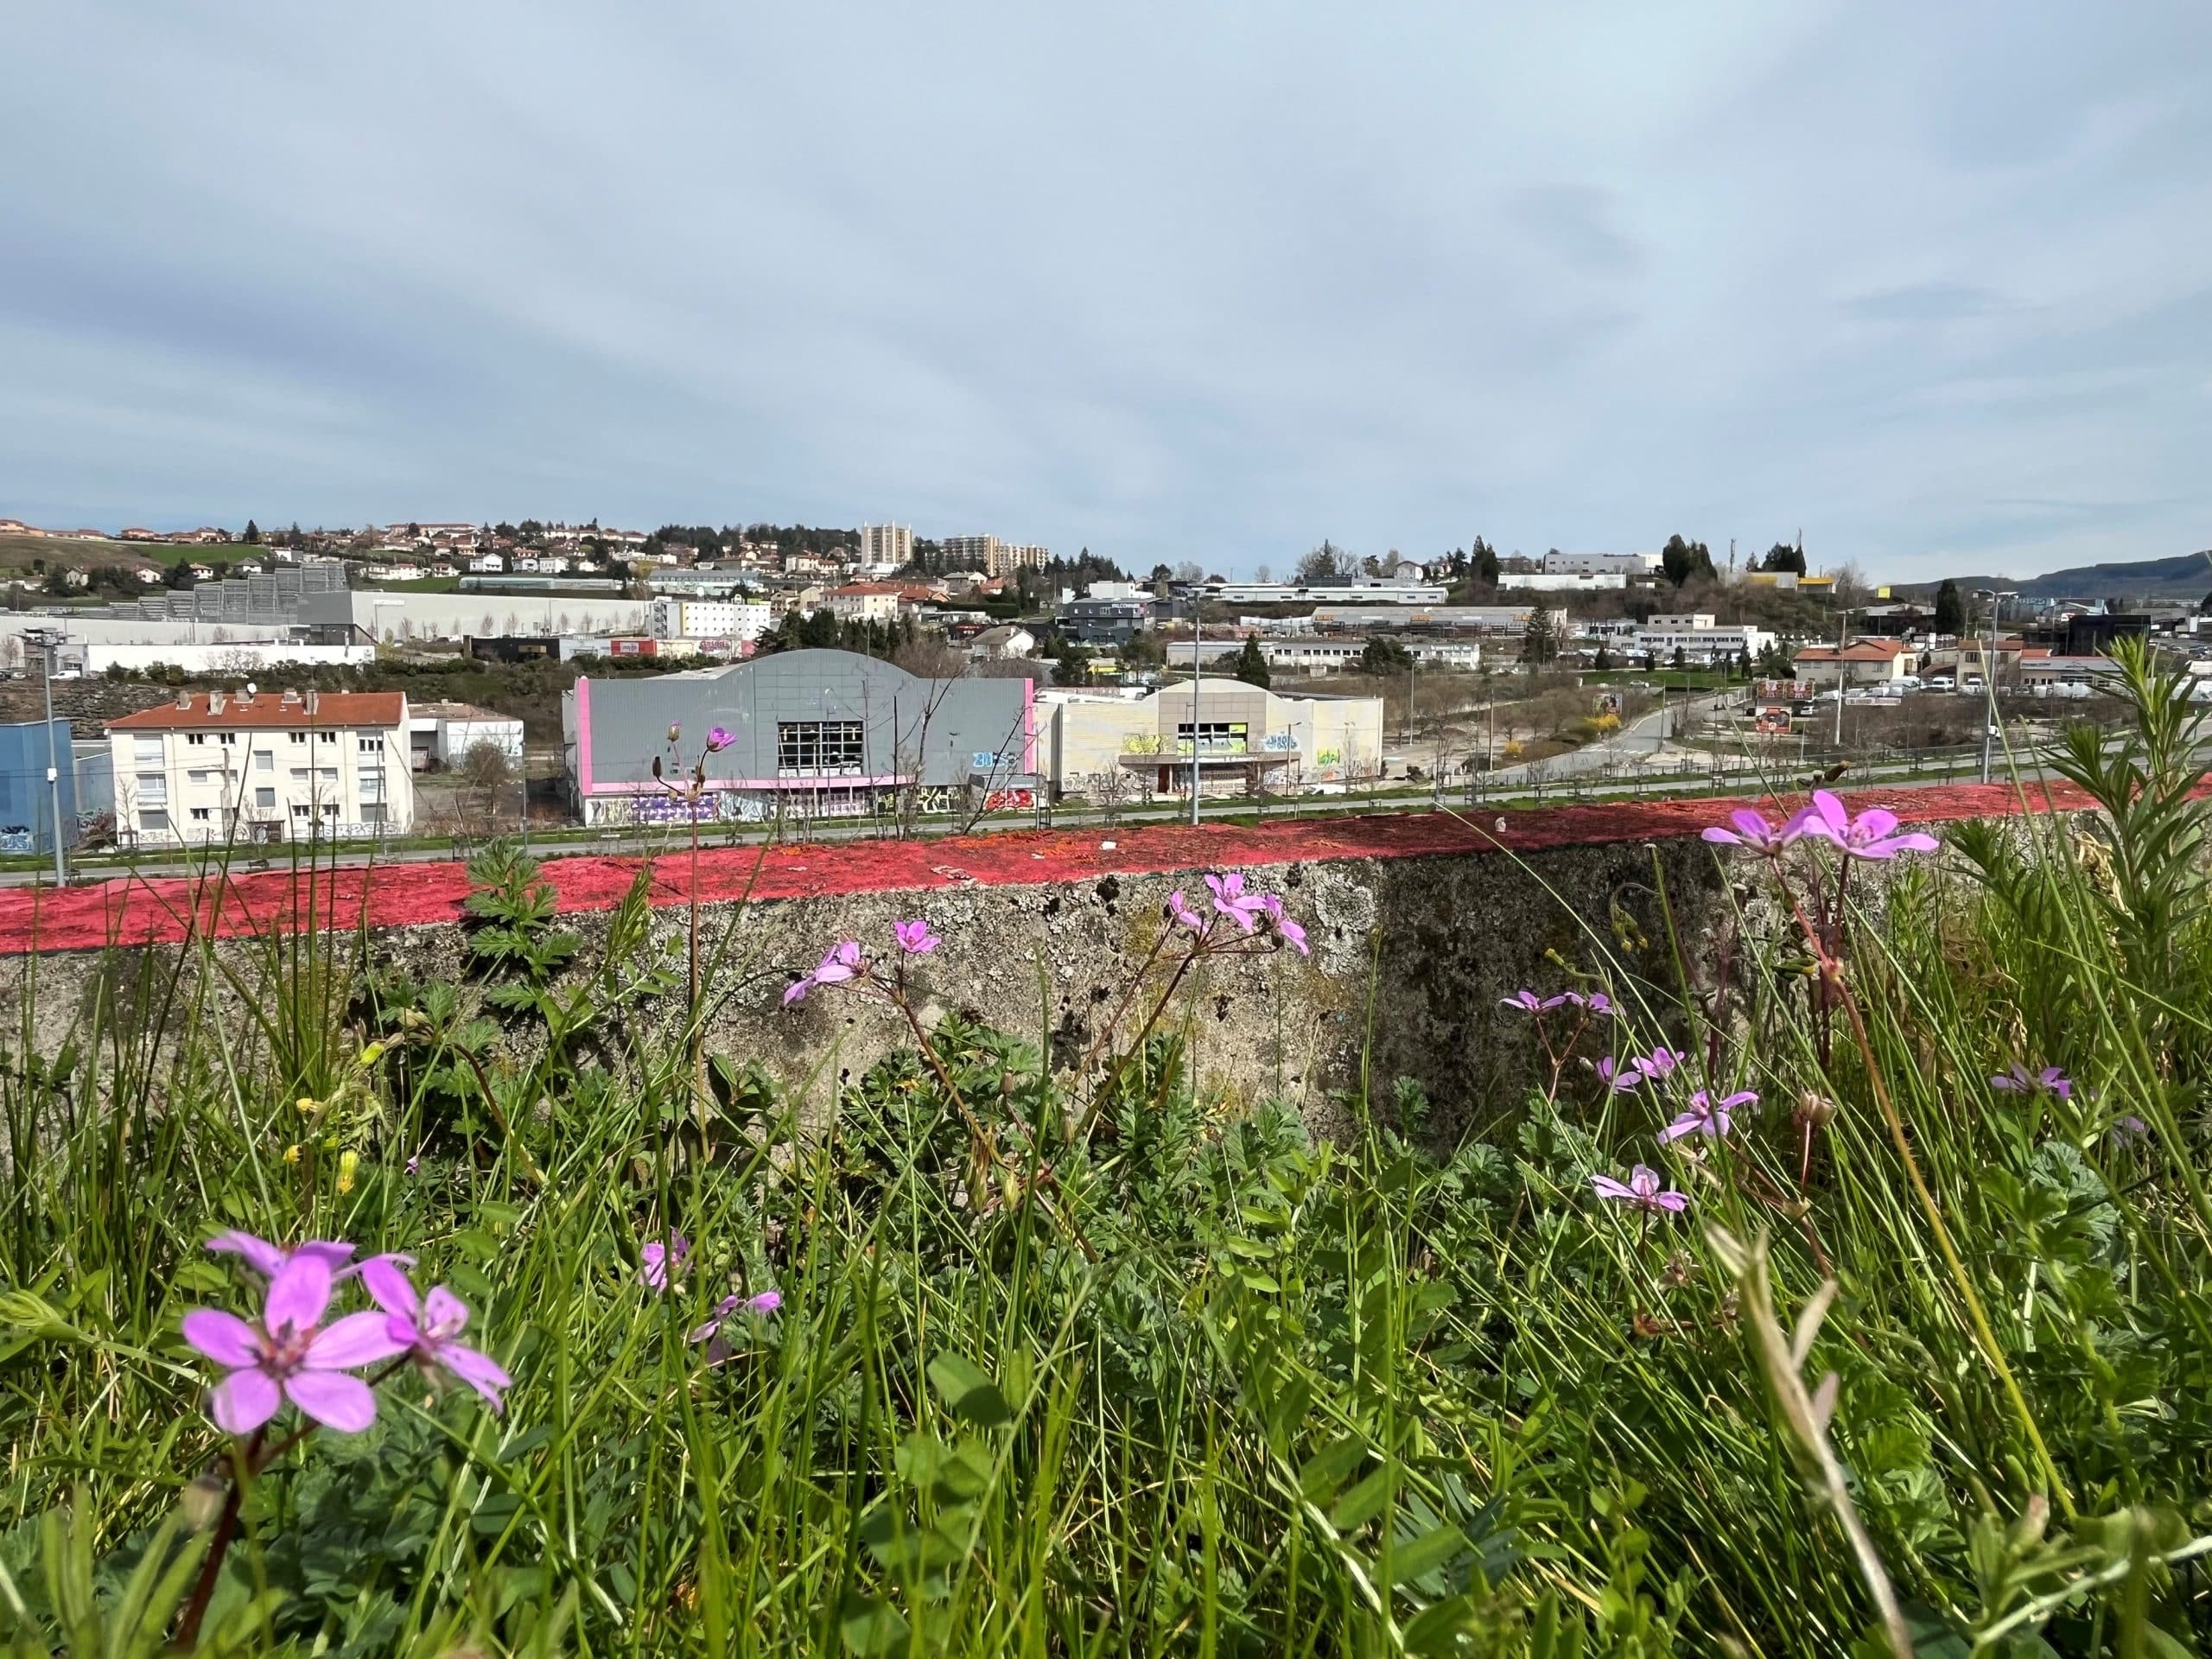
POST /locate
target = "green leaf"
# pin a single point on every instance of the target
(870, 1626)
(1365, 1501)
(1326, 1469)
(967, 1393)
(1416, 1556)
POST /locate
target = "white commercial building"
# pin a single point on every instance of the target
(1309, 654)
(1601, 564)
(262, 765)
(711, 618)
(1439, 619)
(1376, 592)
(1699, 637)
(443, 734)
(1562, 582)
(1244, 738)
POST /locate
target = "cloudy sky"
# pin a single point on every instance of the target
(1933, 283)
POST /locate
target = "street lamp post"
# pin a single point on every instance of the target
(50, 640)
(1996, 598)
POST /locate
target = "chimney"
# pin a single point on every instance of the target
(184, 702)
(311, 702)
(214, 702)
(289, 695)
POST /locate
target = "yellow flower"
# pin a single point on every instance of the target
(348, 1162)
(292, 1152)
(307, 1105)
(370, 1055)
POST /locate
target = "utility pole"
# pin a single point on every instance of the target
(1197, 626)
(50, 640)
(1989, 686)
(1842, 675)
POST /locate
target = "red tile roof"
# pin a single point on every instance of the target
(1859, 651)
(269, 711)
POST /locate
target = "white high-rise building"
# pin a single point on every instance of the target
(891, 545)
(991, 556)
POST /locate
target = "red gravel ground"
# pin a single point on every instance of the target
(133, 911)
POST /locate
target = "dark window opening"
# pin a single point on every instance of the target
(819, 748)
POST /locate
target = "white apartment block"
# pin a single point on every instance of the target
(993, 556)
(710, 618)
(1698, 637)
(865, 601)
(262, 765)
(890, 545)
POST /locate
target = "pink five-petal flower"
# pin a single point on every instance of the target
(1615, 1075)
(426, 1328)
(842, 961)
(1285, 928)
(1527, 1001)
(266, 1259)
(2018, 1079)
(718, 739)
(289, 1354)
(1871, 835)
(914, 938)
(1658, 1065)
(1754, 833)
(662, 1258)
(1642, 1188)
(1707, 1116)
(1178, 908)
(718, 1348)
(1232, 901)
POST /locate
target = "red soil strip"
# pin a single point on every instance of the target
(131, 912)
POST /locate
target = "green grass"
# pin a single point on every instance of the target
(1071, 1361)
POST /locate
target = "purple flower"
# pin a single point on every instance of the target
(425, 1327)
(1231, 900)
(1658, 1065)
(268, 1260)
(1642, 1188)
(2128, 1131)
(718, 739)
(915, 937)
(285, 1355)
(662, 1259)
(718, 1348)
(1287, 929)
(1183, 915)
(1706, 1116)
(1873, 834)
(2018, 1079)
(1753, 831)
(1616, 1077)
(1529, 1002)
(843, 962)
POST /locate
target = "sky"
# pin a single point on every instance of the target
(1931, 285)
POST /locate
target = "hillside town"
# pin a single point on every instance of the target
(261, 681)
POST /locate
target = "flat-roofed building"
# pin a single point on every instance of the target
(813, 734)
(1245, 737)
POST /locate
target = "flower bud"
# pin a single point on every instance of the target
(200, 1504)
(370, 1055)
(349, 1164)
(1817, 1109)
(292, 1152)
